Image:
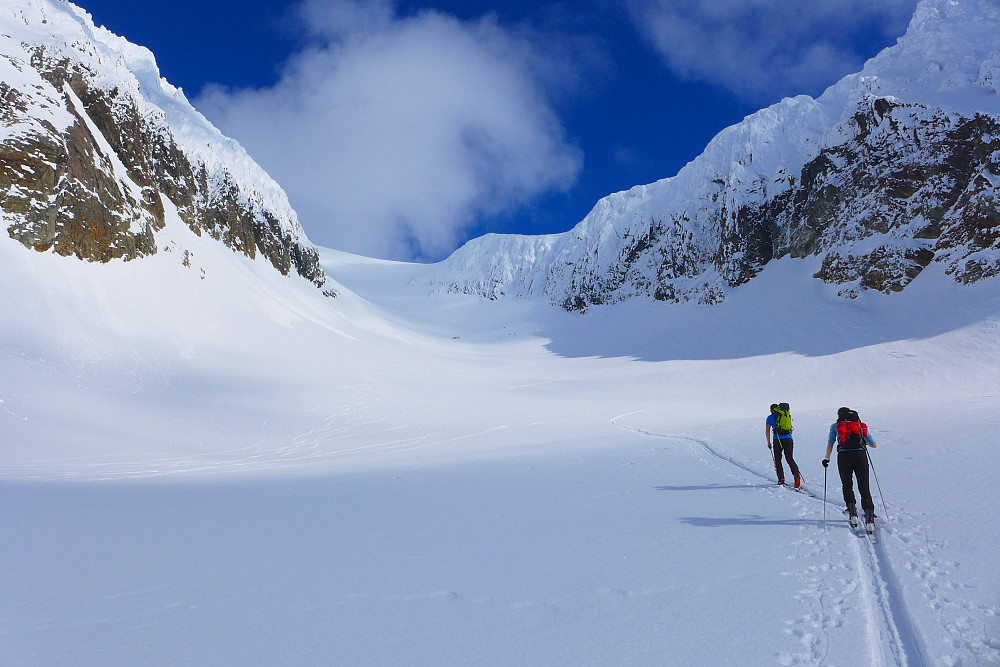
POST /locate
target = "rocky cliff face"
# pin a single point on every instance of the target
(918, 184)
(891, 170)
(92, 140)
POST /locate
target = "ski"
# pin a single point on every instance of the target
(870, 530)
(861, 528)
(854, 524)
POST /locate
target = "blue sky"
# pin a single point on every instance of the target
(401, 130)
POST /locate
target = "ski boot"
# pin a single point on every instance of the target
(852, 516)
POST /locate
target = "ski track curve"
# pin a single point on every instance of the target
(891, 633)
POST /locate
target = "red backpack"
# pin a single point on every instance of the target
(852, 433)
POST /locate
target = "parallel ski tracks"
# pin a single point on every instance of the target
(892, 636)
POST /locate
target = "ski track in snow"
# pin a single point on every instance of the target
(857, 570)
(891, 634)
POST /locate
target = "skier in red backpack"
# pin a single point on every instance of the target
(851, 436)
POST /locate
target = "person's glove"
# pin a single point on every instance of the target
(826, 462)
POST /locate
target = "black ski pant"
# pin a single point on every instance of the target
(783, 446)
(851, 464)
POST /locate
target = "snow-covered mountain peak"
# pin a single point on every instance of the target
(949, 56)
(888, 170)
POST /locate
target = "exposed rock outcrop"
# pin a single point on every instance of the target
(93, 139)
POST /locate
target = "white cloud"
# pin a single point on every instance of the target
(765, 49)
(394, 135)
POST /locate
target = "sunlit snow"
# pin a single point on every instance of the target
(217, 464)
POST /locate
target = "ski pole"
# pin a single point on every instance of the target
(877, 485)
(824, 498)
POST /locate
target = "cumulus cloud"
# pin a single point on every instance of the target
(765, 49)
(394, 135)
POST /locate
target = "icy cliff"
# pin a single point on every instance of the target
(889, 170)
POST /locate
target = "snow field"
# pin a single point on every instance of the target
(589, 558)
(216, 464)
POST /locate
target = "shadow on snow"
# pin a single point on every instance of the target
(748, 520)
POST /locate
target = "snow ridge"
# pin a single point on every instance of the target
(779, 183)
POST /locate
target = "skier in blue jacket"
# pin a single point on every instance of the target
(851, 436)
(780, 443)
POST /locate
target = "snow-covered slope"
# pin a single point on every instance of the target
(226, 467)
(92, 136)
(889, 170)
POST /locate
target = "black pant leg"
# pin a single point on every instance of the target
(846, 468)
(776, 452)
(788, 447)
(861, 470)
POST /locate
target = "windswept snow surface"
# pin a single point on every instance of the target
(213, 464)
